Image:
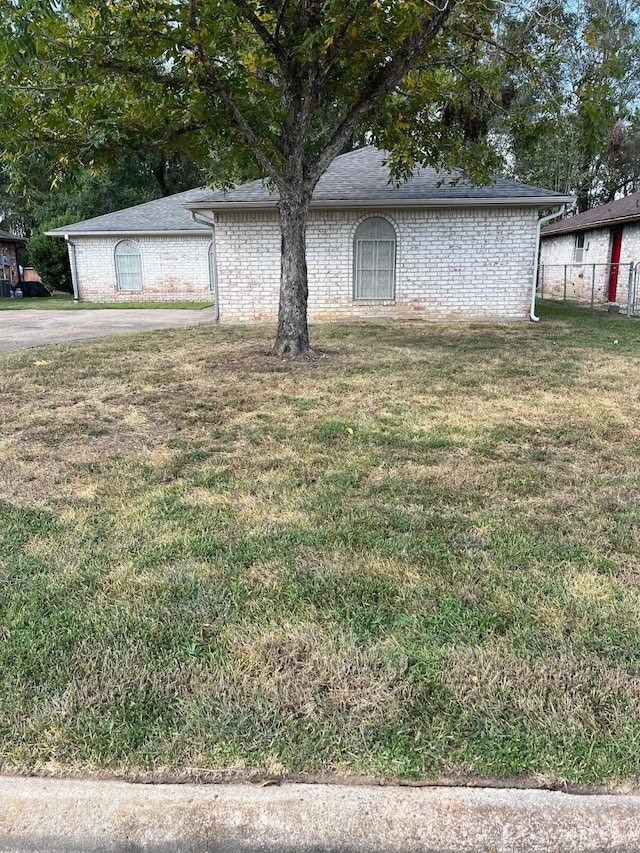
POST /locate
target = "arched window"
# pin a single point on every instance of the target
(374, 259)
(128, 267)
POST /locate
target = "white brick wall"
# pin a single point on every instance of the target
(593, 273)
(473, 263)
(174, 269)
(451, 264)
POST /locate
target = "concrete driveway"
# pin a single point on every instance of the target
(27, 328)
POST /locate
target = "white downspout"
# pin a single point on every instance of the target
(203, 220)
(542, 221)
(71, 249)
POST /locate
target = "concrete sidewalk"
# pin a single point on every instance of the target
(33, 327)
(60, 816)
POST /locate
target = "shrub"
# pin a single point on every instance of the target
(49, 256)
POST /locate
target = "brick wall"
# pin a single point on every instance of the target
(174, 269)
(450, 264)
(592, 275)
(10, 271)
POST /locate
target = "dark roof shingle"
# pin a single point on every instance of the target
(6, 237)
(164, 214)
(363, 176)
(623, 210)
(359, 177)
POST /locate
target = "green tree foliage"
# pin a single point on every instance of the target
(577, 129)
(49, 256)
(284, 85)
(132, 179)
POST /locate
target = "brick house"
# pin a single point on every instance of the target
(433, 248)
(589, 255)
(8, 261)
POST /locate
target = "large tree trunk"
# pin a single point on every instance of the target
(293, 335)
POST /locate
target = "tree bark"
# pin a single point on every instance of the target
(160, 174)
(292, 337)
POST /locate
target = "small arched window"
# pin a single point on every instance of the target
(128, 266)
(374, 259)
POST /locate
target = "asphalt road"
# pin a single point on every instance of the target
(23, 329)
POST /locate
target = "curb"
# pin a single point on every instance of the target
(69, 816)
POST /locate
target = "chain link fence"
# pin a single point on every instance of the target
(615, 287)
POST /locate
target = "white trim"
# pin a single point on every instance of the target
(337, 204)
(214, 281)
(71, 251)
(121, 273)
(536, 259)
(352, 258)
(389, 203)
(204, 232)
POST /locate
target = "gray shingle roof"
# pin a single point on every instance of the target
(362, 176)
(359, 177)
(615, 212)
(164, 214)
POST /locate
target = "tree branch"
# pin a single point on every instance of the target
(380, 83)
(319, 78)
(264, 76)
(484, 40)
(279, 20)
(262, 32)
(238, 118)
(134, 71)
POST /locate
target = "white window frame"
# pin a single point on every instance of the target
(128, 265)
(579, 247)
(373, 234)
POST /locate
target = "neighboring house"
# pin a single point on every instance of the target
(589, 256)
(433, 248)
(9, 269)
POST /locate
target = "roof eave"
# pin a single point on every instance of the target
(340, 204)
(599, 223)
(61, 232)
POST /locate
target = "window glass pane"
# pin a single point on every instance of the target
(128, 267)
(375, 228)
(374, 259)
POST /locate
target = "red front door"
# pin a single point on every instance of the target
(616, 245)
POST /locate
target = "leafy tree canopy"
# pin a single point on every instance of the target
(281, 85)
(577, 129)
(130, 180)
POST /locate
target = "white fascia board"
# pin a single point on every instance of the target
(200, 232)
(523, 201)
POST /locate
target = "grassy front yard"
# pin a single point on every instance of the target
(65, 301)
(417, 556)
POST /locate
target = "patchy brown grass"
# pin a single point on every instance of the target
(414, 555)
